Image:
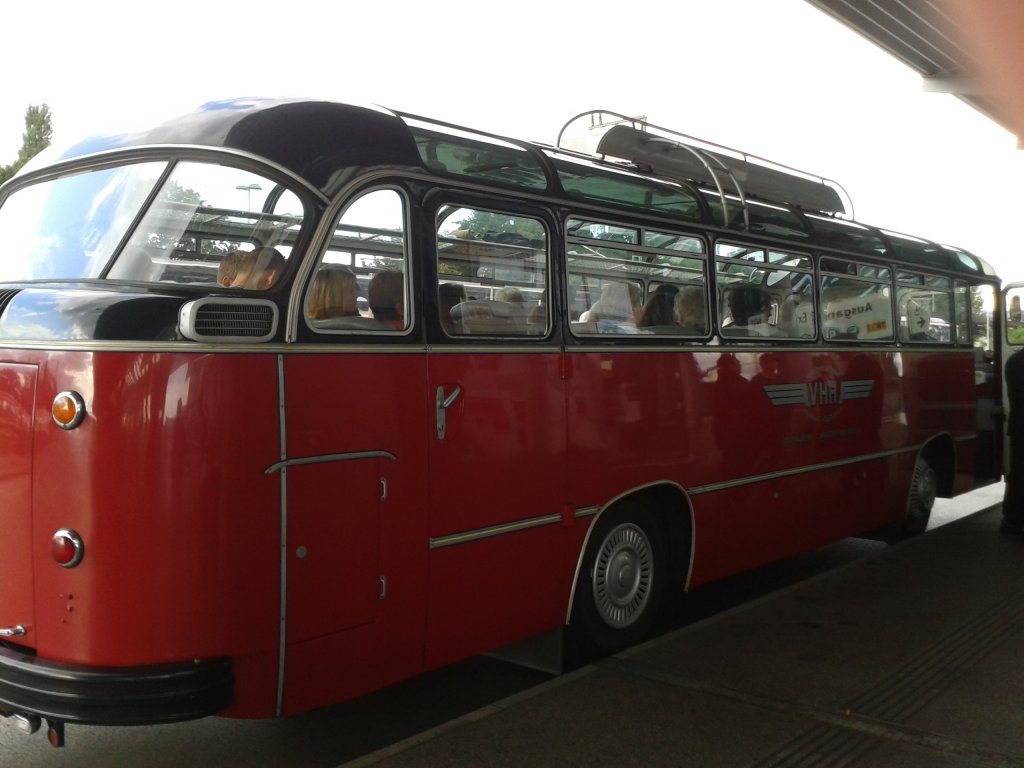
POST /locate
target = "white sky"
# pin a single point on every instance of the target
(775, 78)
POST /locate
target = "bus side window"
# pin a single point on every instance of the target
(855, 301)
(361, 284)
(492, 274)
(925, 305)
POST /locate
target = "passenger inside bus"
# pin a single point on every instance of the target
(334, 293)
(747, 307)
(659, 315)
(689, 311)
(387, 298)
(512, 295)
(257, 269)
(618, 309)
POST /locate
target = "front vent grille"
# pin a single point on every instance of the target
(247, 321)
(228, 320)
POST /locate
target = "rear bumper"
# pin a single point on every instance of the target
(143, 695)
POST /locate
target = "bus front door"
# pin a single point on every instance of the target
(354, 557)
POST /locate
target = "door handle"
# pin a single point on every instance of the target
(444, 402)
(13, 631)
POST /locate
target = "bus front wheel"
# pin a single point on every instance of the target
(621, 583)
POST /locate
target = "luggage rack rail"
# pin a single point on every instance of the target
(667, 153)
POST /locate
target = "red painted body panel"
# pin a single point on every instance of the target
(166, 482)
(706, 418)
(347, 633)
(17, 410)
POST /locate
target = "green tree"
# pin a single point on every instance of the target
(38, 132)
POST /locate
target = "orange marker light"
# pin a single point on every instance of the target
(68, 410)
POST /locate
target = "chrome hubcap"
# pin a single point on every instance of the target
(623, 573)
(922, 497)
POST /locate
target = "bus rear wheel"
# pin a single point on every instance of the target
(621, 582)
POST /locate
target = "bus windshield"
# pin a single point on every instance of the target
(144, 222)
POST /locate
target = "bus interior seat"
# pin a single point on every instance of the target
(489, 317)
(583, 328)
(352, 323)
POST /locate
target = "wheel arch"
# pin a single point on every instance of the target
(671, 505)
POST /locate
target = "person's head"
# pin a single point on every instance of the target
(748, 304)
(669, 288)
(689, 308)
(386, 295)
(333, 294)
(510, 294)
(257, 269)
(618, 301)
(658, 311)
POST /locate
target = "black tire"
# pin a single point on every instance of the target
(924, 486)
(621, 582)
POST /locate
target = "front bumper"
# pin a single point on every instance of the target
(143, 695)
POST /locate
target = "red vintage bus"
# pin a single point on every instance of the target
(299, 399)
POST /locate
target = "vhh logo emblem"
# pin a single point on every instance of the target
(822, 396)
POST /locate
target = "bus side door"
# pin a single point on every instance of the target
(498, 435)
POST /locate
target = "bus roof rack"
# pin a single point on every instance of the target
(669, 154)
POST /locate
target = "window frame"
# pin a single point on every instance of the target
(860, 266)
(442, 198)
(362, 328)
(768, 266)
(638, 246)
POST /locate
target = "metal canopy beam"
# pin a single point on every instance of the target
(973, 49)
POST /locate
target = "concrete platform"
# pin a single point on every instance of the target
(911, 657)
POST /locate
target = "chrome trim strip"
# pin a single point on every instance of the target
(586, 512)
(586, 345)
(546, 346)
(350, 456)
(205, 348)
(807, 469)
(283, 597)
(479, 534)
